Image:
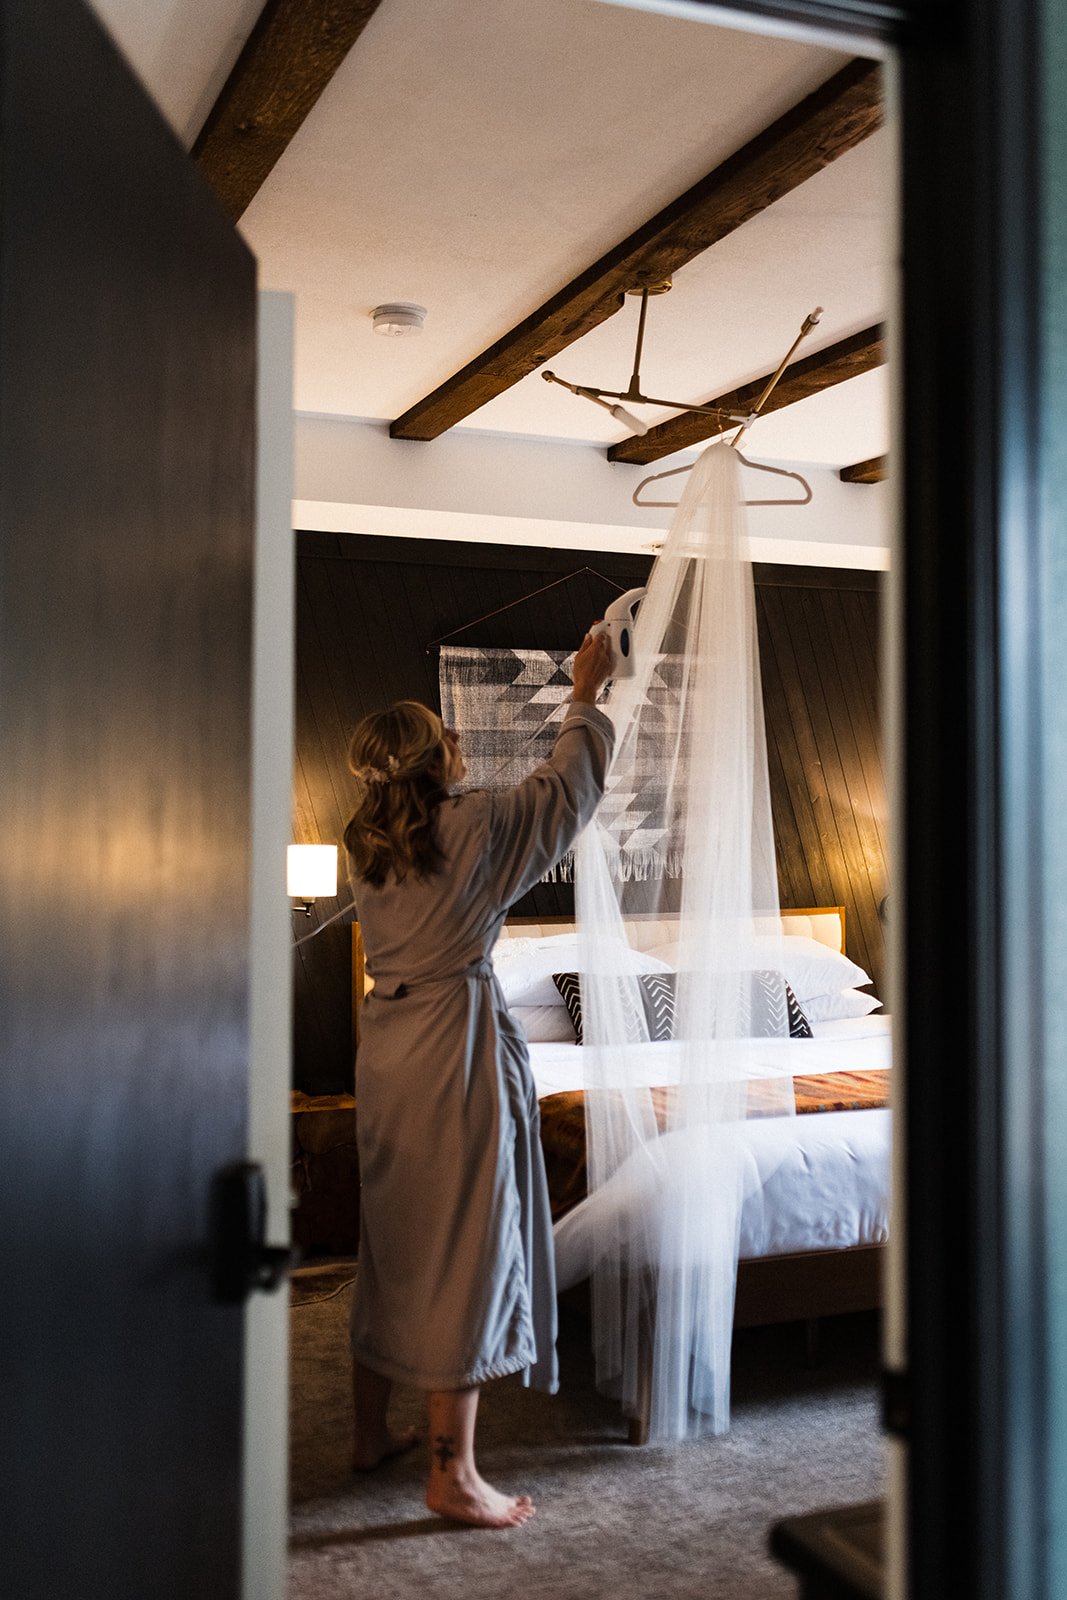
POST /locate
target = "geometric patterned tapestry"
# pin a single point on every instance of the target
(506, 707)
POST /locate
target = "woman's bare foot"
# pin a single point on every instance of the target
(474, 1501)
(370, 1453)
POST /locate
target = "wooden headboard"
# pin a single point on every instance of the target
(824, 923)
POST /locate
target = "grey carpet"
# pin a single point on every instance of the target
(657, 1523)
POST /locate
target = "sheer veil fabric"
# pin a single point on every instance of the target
(669, 1168)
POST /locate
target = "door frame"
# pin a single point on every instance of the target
(967, 1393)
(265, 1498)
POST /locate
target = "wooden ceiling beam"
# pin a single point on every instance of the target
(876, 470)
(841, 113)
(850, 357)
(291, 54)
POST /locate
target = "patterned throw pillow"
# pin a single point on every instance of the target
(570, 987)
(772, 1008)
(775, 1010)
(657, 997)
(799, 1026)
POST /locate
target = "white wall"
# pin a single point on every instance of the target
(350, 477)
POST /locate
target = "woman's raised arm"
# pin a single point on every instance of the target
(534, 824)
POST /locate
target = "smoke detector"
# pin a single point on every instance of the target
(401, 319)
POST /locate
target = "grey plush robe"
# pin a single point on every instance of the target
(456, 1278)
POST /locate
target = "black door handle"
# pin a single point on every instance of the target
(241, 1258)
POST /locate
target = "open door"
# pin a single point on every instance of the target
(127, 487)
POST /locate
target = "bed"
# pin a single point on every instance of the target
(813, 1235)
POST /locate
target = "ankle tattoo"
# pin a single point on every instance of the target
(442, 1449)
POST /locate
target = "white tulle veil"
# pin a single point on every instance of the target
(669, 1166)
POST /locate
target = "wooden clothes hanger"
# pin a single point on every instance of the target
(757, 466)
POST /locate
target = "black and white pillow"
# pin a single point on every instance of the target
(774, 1010)
(799, 1026)
(570, 987)
(657, 998)
(772, 1007)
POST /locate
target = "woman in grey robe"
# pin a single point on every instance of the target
(456, 1280)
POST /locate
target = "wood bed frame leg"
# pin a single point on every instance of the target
(638, 1425)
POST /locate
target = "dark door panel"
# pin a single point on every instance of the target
(127, 307)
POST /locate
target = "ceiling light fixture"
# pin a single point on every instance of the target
(608, 398)
(628, 419)
(400, 319)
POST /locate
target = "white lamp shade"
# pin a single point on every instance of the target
(311, 871)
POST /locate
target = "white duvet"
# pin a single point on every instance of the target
(823, 1178)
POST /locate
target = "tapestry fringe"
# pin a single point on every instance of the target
(634, 866)
(637, 866)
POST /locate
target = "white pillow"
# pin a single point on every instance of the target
(525, 976)
(545, 1024)
(809, 968)
(812, 968)
(511, 950)
(835, 1007)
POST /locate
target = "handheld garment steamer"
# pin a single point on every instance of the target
(618, 624)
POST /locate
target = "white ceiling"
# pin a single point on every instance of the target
(475, 155)
(732, 315)
(183, 50)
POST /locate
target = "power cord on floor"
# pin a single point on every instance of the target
(317, 1300)
(351, 906)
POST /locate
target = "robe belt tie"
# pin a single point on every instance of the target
(480, 971)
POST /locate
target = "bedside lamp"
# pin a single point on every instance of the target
(311, 874)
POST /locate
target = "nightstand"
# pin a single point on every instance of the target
(325, 1174)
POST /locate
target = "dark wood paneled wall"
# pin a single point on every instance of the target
(819, 660)
(368, 607)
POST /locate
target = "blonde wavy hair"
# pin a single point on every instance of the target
(399, 757)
